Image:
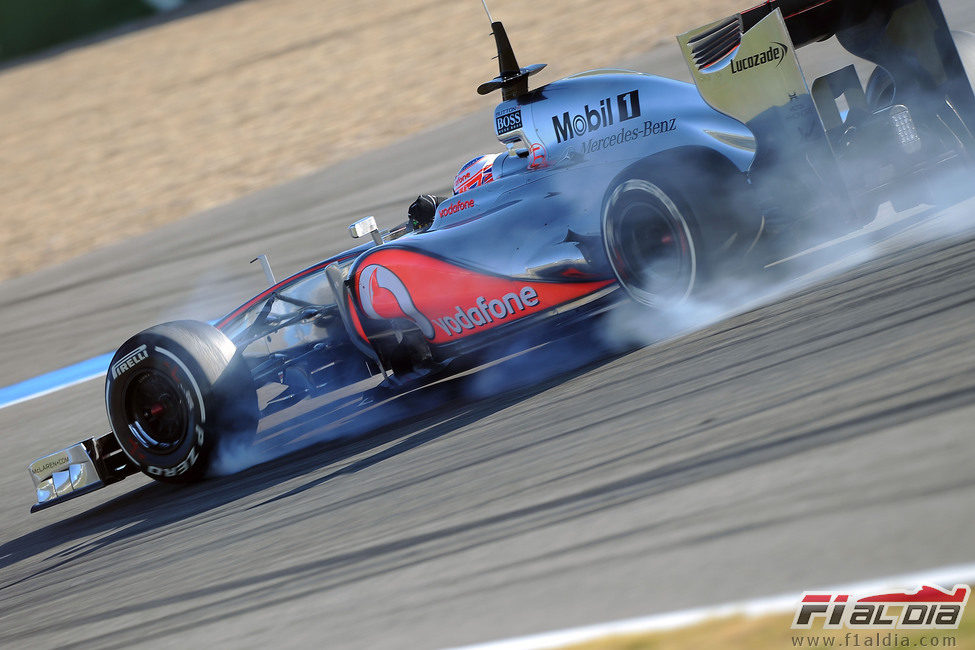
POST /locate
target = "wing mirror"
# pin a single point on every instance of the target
(366, 226)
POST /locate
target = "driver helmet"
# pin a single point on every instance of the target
(476, 172)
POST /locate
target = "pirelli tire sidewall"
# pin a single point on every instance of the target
(189, 372)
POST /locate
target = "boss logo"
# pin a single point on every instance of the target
(508, 122)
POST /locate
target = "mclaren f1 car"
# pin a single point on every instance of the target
(612, 186)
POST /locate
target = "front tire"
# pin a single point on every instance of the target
(171, 392)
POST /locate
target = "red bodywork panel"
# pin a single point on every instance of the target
(449, 302)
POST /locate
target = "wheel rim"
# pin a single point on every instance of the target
(156, 411)
(649, 244)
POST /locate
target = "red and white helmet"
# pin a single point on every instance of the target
(476, 172)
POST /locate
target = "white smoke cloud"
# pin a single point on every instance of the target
(529, 364)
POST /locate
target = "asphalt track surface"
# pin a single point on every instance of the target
(824, 438)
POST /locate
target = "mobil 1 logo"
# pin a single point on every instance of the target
(626, 106)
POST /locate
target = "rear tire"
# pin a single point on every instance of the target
(171, 392)
(665, 243)
(652, 243)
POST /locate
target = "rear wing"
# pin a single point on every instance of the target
(746, 67)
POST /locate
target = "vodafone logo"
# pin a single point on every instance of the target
(383, 295)
(487, 311)
(456, 207)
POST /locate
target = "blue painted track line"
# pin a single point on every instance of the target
(54, 381)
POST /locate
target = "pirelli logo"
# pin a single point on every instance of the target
(129, 361)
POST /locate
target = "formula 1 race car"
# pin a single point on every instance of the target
(613, 186)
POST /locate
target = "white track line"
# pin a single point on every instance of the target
(946, 576)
